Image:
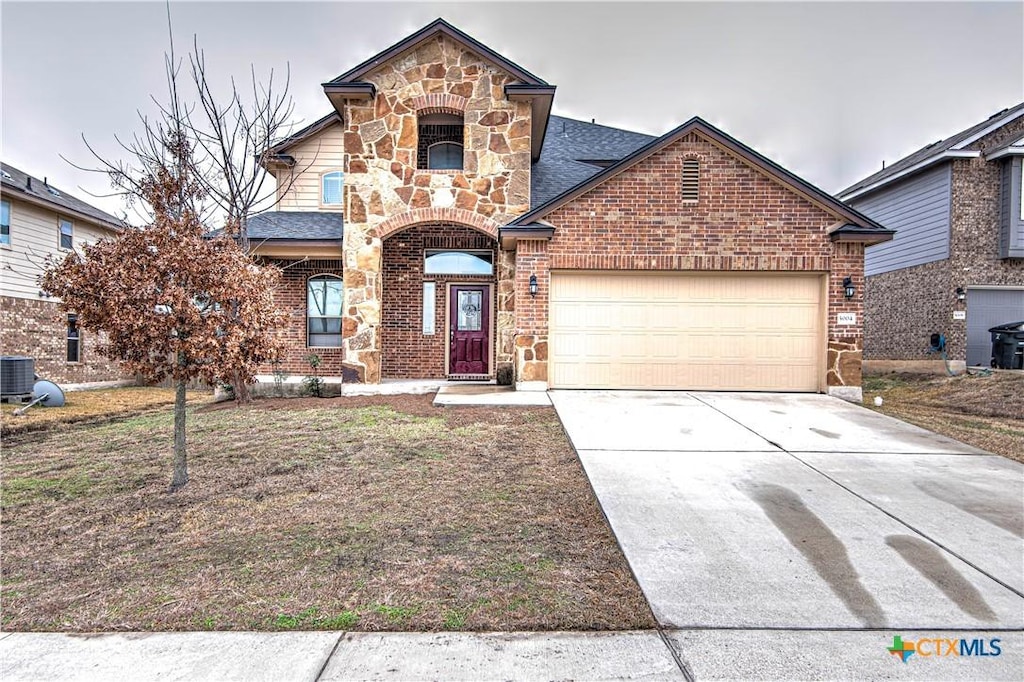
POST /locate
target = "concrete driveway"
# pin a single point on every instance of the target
(782, 521)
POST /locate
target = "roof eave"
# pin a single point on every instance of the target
(948, 155)
(1012, 150)
(509, 236)
(861, 235)
(337, 93)
(21, 194)
(540, 98)
(284, 145)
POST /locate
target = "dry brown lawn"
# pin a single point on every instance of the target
(983, 411)
(94, 407)
(349, 513)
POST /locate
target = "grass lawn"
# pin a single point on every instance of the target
(984, 411)
(94, 406)
(379, 513)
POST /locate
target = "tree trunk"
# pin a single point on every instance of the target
(242, 394)
(180, 463)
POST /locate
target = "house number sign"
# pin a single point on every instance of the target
(846, 318)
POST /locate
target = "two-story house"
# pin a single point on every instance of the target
(439, 222)
(956, 264)
(37, 221)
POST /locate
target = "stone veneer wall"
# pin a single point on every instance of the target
(407, 352)
(38, 329)
(291, 298)
(385, 193)
(743, 221)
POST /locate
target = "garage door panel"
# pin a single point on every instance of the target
(694, 331)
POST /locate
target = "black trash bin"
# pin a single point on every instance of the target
(1008, 345)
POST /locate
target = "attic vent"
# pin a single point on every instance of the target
(52, 191)
(7, 176)
(691, 180)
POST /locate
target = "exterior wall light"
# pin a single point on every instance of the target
(961, 295)
(533, 285)
(848, 289)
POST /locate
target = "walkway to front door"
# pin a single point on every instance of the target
(470, 320)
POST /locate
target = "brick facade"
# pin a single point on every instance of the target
(744, 221)
(38, 329)
(906, 306)
(406, 351)
(291, 297)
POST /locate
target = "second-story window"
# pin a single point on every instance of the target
(440, 142)
(67, 234)
(5, 222)
(331, 185)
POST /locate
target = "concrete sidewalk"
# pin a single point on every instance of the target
(647, 655)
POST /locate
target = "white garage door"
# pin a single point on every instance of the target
(686, 331)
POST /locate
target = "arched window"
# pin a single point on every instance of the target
(691, 180)
(447, 155)
(331, 185)
(440, 139)
(324, 302)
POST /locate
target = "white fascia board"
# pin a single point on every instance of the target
(996, 125)
(1016, 149)
(931, 161)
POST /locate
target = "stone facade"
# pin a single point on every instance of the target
(38, 329)
(385, 193)
(906, 306)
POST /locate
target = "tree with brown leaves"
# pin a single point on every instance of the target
(172, 302)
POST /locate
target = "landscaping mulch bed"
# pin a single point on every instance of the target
(983, 411)
(376, 513)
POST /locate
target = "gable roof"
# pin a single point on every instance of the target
(40, 192)
(568, 147)
(954, 146)
(437, 27)
(858, 225)
(538, 92)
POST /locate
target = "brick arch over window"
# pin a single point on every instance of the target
(458, 216)
(439, 103)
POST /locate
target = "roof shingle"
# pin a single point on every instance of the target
(18, 184)
(298, 225)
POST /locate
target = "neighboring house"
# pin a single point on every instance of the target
(38, 220)
(956, 265)
(441, 223)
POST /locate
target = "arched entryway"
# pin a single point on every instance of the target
(440, 303)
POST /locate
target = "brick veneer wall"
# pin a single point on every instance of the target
(38, 329)
(907, 306)
(291, 298)
(743, 221)
(405, 351)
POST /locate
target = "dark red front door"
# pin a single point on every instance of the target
(470, 315)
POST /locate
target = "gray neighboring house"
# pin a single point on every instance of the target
(956, 264)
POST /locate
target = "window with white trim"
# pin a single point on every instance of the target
(74, 339)
(5, 222)
(441, 262)
(67, 234)
(331, 186)
(325, 296)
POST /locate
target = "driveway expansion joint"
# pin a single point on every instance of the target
(327, 660)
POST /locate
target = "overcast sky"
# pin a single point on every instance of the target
(827, 89)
